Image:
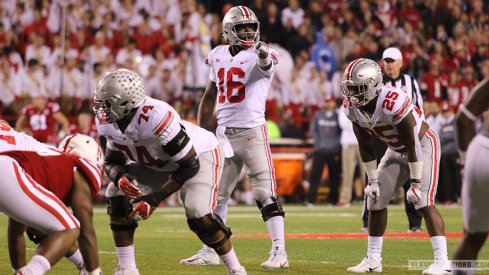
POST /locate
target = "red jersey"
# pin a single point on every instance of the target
(54, 170)
(41, 122)
(434, 85)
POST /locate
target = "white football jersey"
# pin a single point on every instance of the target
(154, 125)
(242, 86)
(393, 104)
(13, 140)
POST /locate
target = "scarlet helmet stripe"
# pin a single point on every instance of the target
(350, 68)
(245, 11)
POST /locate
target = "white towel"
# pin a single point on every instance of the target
(224, 141)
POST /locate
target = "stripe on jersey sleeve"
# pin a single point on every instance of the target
(164, 123)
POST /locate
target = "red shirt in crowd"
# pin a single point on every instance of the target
(41, 122)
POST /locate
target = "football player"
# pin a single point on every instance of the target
(475, 190)
(45, 182)
(13, 140)
(413, 153)
(163, 154)
(240, 77)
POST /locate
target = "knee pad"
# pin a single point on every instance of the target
(35, 236)
(206, 229)
(121, 207)
(270, 210)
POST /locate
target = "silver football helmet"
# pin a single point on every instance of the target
(240, 15)
(117, 93)
(361, 81)
(83, 146)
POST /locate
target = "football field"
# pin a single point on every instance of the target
(317, 241)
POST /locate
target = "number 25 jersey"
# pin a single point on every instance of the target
(242, 86)
(392, 106)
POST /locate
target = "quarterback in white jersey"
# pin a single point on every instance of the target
(151, 153)
(413, 153)
(240, 76)
(475, 189)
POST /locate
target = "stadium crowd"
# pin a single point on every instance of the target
(57, 50)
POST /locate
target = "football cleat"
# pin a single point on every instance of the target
(205, 256)
(277, 259)
(126, 271)
(366, 265)
(439, 268)
(238, 271)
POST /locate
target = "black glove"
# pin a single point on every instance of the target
(152, 199)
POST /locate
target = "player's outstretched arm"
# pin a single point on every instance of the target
(206, 106)
(469, 112)
(16, 243)
(81, 204)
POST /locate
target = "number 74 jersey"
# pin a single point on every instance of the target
(392, 106)
(242, 86)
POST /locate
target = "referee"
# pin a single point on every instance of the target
(392, 61)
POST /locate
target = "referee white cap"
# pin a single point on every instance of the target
(392, 53)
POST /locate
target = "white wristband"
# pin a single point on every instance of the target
(371, 169)
(264, 62)
(97, 271)
(416, 169)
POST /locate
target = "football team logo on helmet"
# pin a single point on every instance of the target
(361, 81)
(117, 93)
(236, 16)
(83, 146)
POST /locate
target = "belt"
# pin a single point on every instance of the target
(234, 131)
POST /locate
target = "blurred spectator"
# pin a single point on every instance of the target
(326, 132)
(293, 14)
(299, 41)
(85, 124)
(38, 49)
(289, 129)
(272, 29)
(432, 115)
(41, 118)
(350, 157)
(9, 88)
(434, 83)
(323, 56)
(450, 179)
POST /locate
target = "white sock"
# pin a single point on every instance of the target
(126, 256)
(275, 227)
(37, 265)
(439, 244)
(222, 210)
(77, 259)
(230, 260)
(374, 250)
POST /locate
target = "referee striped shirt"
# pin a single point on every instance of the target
(409, 85)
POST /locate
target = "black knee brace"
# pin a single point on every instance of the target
(34, 235)
(121, 207)
(270, 210)
(206, 229)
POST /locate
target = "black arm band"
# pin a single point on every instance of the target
(187, 170)
(178, 143)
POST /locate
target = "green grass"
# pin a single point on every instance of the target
(165, 239)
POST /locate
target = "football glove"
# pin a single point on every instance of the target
(152, 199)
(262, 49)
(414, 193)
(142, 211)
(128, 185)
(372, 189)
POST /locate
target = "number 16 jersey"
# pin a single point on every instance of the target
(242, 86)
